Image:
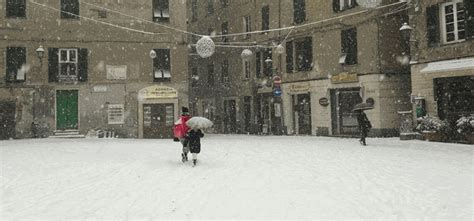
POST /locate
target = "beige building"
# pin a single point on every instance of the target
(114, 68)
(442, 63)
(338, 55)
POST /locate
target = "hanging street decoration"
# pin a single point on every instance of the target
(205, 47)
(280, 49)
(246, 54)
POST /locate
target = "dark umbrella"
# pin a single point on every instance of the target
(362, 107)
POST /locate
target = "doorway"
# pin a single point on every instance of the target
(7, 120)
(67, 110)
(343, 119)
(158, 120)
(230, 117)
(302, 113)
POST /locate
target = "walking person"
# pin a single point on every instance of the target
(364, 126)
(180, 129)
(194, 137)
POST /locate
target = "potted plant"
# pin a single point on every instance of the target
(465, 127)
(433, 129)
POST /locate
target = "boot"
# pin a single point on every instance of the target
(184, 157)
(194, 162)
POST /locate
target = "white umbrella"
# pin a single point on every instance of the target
(199, 123)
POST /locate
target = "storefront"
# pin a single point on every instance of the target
(157, 111)
(454, 96)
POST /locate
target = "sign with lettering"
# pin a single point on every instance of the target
(299, 88)
(344, 77)
(116, 72)
(155, 92)
(324, 102)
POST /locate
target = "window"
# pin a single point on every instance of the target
(16, 64)
(162, 65)
(194, 10)
(299, 11)
(453, 21)
(68, 65)
(246, 68)
(263, 68)
(225, 72)
(16, 9)
(225, 31)
(299, 55)
(341, 5)
(210, 7)
(161, 11)
(70, 9)
(210, 74)
(266, 18)
(349, 46)
(194, 77)
(224, 3)
(116, 114)
(247, 26)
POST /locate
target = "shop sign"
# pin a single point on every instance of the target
(299, 88)
(324, 102)
(99, 88)
(344, 77)
(155, 92)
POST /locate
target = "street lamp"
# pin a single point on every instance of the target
(40, 54)
(408, 36)
(406, 31)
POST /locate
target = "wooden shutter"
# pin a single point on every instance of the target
(336, 7)
(82, 64)
(258, 64)
(432, 25)
(469, 16)
(289, 57)
(53, 64)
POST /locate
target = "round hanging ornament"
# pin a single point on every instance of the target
(205, 47)
(246, 54)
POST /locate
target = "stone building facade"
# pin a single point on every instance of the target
(340, 54)
(97, 70)
(442, 50)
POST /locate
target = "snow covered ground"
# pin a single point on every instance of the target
(237, 177)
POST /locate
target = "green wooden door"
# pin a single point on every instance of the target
(66, 110)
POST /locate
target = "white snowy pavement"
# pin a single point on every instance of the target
(237, 177)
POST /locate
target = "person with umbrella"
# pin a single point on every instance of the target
(180, 129)
(362, 120)
(195, 134)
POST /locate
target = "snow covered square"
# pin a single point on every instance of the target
(236, 177)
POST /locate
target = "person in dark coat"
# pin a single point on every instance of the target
(364, 126)
(194, 141)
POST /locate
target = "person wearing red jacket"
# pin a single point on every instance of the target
(180, 130)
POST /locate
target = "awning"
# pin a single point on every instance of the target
(451, 65)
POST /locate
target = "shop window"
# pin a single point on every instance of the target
(161, 11)
(16, 64)
(70, 9)
(116, 114)
(299, 55)
(16, 9)
(299, 11)
(348, 47)
(162, 65)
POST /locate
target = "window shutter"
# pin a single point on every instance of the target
(336, 5)
(258, 64)
(432, 25)
(289, 57)
(82, 64)
(53, 64)
(469, 6)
